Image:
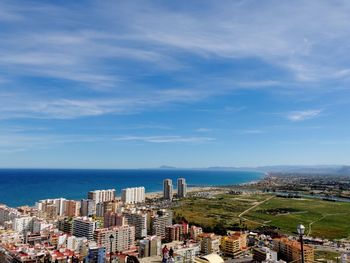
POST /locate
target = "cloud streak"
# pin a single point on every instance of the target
(165, 139)
(303, 115)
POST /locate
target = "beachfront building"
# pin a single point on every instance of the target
(100, 196)
(168, 189)
(133, 195)
(181, 188)
(51, 208)
(290, 250)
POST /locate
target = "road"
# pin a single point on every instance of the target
(254, 206)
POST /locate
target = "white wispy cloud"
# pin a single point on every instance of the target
(165, 139)
(303, 115)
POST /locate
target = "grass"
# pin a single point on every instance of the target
(326, 219)
(324, 256)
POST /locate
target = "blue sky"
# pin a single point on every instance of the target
(131, 84)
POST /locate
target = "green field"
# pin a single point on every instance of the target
(321, 218)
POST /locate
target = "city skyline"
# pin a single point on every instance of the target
(185, 84)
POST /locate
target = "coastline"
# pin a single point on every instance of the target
(159, 194)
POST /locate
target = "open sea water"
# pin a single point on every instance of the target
(26, 186)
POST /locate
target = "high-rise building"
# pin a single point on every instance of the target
(160, 221)
(114, 219)
(66, 225)
(174, 233)
(51, 208)
(22, 225)
(133, 195)
(8, 214)
(72, 208)
(87, 207)
(84, 227)
(100, 196)
(181, 188)
(123, 238)
(168, 189)
(139, 221)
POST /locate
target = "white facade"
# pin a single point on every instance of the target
(39, 225)
(100, 196)
(23, 224)
(59, 203)
(75, 243)
(8, 214)
(123, 238)
(133, 195)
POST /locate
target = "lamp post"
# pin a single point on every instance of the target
(111, 238)
(301, 231)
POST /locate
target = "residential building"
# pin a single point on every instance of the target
(174, 232)
(8, 214)
(84, 227)
(195, 231)
(114, 219)
(150, 246)
(123, 238)
(100, 196)
(23, 225)
(168, 189)
(181, 188)
(159, 221)
(290, 250)
(72, 208)
(133, 195)
(138, 219)
(87, 207)
(263, 254)
(234, 244)
(65, 225)
(51, 208)
(210, 243)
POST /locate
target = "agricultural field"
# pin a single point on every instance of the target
(321, 218)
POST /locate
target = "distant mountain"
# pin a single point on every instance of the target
(312, 169)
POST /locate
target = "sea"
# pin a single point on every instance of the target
(26, 186)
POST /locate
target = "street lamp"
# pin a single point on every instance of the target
(301, 231)
(111, 238)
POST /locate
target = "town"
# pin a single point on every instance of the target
(140, 227)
